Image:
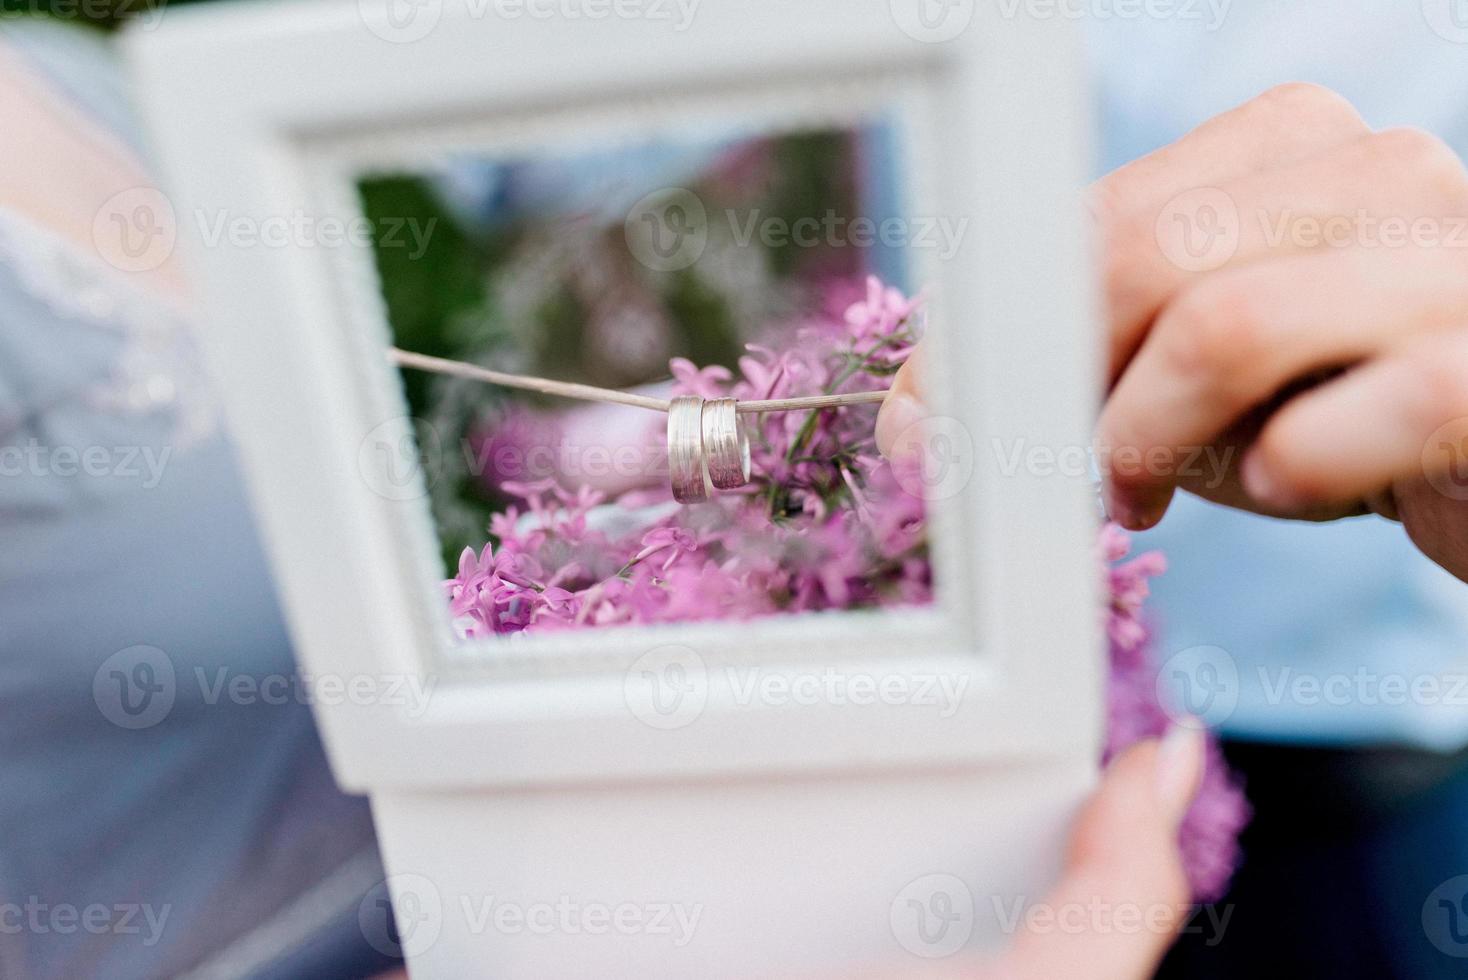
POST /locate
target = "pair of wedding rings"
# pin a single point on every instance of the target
(708, 448)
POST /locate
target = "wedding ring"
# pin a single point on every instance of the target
(725, 444)
(685, 450)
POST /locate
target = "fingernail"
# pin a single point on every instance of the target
(1180, 760)
(1116, 509)
(1125, 512)
(899, 413)
(1144, 518)
(1260, 484)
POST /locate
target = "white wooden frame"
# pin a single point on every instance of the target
(272, 108)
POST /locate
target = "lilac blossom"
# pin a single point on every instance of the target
(1210, 831)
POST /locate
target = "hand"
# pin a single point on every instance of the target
(1325, 346)
(1286, 298)
(1123, 866)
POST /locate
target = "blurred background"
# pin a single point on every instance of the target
(213, 825)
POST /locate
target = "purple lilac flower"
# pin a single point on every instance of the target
(1210, 831)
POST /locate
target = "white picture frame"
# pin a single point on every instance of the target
(266, 108)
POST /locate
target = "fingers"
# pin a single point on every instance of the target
(1203, 355)
(1434, 520)
(1276, 128)
(1378, 424)
(1228, 343)
(1281, 127)
(903, 407)
(1123, 862)
(1339, 198)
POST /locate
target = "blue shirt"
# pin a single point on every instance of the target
(1335, 634)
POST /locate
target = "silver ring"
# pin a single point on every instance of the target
(725, 444)
(685, 450)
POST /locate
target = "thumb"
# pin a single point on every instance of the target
(1123, 894)
(903, 407)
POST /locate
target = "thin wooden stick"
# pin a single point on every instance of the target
(811, 402)
(567, 389)
(545, 386)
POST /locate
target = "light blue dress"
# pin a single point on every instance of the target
(151, 823)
